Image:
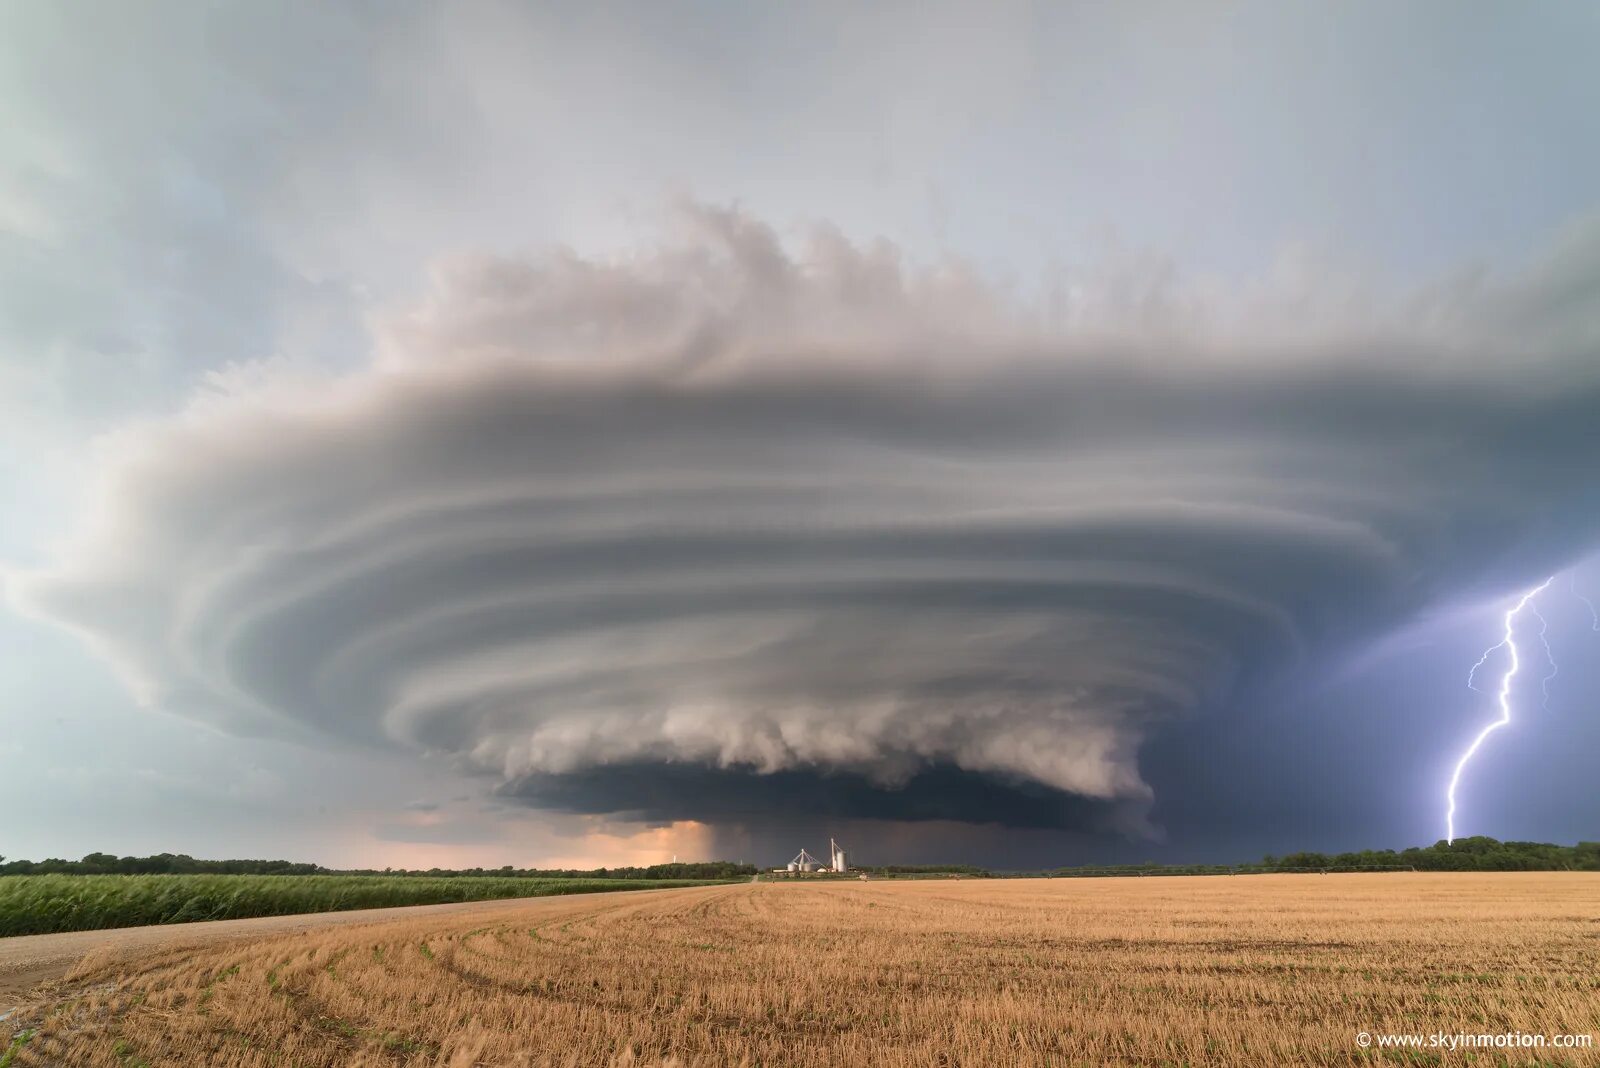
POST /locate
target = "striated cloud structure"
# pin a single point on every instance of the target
(692, 533)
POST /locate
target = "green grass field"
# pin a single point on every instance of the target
(44, 904)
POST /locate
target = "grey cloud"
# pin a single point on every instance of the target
(446, 833)
(734, 798)
(728, 520)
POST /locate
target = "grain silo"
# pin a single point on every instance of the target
(803, 862)
(838, 856)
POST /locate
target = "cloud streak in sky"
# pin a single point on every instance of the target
(685, 533)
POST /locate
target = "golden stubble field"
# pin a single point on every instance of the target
(1257, 970)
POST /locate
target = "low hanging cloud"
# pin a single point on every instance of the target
(692, 533)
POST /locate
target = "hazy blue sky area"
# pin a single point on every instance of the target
(583, 434)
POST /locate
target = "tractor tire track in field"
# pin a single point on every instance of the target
(27, 961)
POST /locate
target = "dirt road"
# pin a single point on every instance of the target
(28, 960)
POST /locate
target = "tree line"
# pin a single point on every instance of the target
(183, 864)
(1478, 853)
(924, 869)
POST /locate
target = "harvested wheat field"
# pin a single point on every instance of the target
(1266, 970)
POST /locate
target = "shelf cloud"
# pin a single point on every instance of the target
(691, 533)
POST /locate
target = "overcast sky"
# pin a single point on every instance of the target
(580, 434)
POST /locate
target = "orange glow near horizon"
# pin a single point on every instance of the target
(588, 843)
(688, 840)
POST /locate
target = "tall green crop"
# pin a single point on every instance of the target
(43, 904)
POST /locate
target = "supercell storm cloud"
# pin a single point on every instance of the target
(645, 534)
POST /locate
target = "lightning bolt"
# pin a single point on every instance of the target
(1508, 642)
(1594, 617)
(1549, 655)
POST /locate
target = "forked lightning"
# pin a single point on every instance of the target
(1509, 643)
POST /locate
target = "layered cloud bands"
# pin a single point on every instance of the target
(656, 534)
